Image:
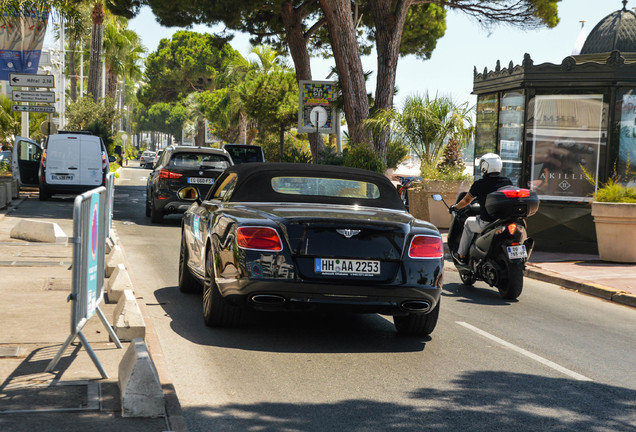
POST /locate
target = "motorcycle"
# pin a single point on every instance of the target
(499, 253)
(402, 188)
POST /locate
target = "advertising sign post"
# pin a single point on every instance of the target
(89, 244)
(313, 95)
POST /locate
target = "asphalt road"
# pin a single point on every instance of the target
(554, 360)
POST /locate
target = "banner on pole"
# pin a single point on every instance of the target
(314, 94)
(21, 39)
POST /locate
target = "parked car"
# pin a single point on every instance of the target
(179, 167)
(297, 236)
(147, 159)
(245, 153)
(67, 162)
(5, 156)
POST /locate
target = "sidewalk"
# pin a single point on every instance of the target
(34, 317)
(35, 281)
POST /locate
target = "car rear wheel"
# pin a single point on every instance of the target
(44, 194)
(217, 312)
(187, 282)
(156, 216)
(147, 207)
(417, 324)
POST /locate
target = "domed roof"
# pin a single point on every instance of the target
(617, 31)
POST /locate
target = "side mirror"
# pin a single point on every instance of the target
(112, 159)
(437, 197)
(188, 193)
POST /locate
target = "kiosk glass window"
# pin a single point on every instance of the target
(626, 119)
(486, 126)
(565, 133)
(511, 120)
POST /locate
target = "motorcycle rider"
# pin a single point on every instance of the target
(490, 168)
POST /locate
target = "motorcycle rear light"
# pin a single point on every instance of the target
(167, 174)
(423, 246)
(259, 238)
(512, 228)
(516, 193)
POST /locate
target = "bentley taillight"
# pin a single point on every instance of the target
(259, 238)
(423, 246)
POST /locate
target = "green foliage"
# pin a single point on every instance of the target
(396, 153)
(5, 168)
(330, 156)
(615, 189)
(271, 99)
(162, 117)
(113, 167)
(363, 156)
(86, 111)
(189, 62)
(297, 155)
(11, 121)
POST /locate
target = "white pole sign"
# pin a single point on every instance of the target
(32, 96)
(31, 80)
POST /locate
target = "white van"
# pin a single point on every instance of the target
(68, 162)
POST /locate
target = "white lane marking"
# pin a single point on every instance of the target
(526, 353)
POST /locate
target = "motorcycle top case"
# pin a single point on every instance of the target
(512, 202)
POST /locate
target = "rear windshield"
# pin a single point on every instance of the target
(197, 160)
(328, 187)
(245, 154)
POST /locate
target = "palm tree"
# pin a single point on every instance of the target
(425, 124)
(122, 53)
(97, 35)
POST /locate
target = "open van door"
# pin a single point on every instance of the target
(25, 161)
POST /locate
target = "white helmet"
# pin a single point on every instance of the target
(490, 163)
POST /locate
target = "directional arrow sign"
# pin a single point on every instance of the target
(34, 108)
(32, 96)
(31, 80)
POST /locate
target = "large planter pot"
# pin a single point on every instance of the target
(615, 231)
(422, 205)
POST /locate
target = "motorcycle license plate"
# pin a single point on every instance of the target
(517, 252)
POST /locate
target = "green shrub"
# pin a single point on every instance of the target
(363, 156)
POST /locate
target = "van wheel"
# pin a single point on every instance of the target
(44, 194)
(156, 217)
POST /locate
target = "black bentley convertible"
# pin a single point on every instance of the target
(295, 236)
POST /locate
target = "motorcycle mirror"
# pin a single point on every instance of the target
(437, 197)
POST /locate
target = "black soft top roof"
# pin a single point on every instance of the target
(254, 184)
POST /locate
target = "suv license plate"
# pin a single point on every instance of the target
(346, 267)
(200, 180)
(62, 177)
(517, 252)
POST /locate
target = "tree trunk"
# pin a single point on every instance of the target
(297, 43)
(242, 138)
(95, 67)
(349, 65)
(282, 142)
(389, 25)
(199, 139)
(111, 82)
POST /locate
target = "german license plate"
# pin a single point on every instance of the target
(200, 180)
(517, 252)
(62, 176)
(346, 267)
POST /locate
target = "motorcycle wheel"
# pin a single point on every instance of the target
(468, 279)
(510, 283)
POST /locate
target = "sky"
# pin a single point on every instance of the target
(465, 45)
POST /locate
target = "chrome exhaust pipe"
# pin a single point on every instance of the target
(416, 305)
(267, 299)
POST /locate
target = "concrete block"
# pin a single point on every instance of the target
(128, 322)
(4, 199)
(38, 231)
(118, 283)
(140, 389)
(113, 259)
(109, 246)
(8, 187)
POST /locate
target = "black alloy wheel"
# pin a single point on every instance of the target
(217, 312)
(187, 282)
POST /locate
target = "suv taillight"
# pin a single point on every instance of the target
(423, 246)
(259, 238)
(167, 174)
